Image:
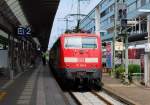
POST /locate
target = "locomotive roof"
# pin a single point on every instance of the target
(79, 34)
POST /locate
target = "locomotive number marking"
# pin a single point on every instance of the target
(81, 60)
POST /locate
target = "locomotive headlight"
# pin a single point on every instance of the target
(77, 65)
(70, 59)
(91, 60)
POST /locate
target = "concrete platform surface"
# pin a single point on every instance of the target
(33, 87)
(134, 94)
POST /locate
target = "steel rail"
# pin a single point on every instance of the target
(95, 94)
(102, 98)
(75, 98)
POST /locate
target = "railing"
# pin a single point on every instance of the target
(138, 77)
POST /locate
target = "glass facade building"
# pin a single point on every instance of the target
(107, 15)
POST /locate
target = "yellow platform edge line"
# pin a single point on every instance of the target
(2, 95)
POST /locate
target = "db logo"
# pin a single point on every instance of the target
(81, 60)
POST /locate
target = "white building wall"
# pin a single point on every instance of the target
(3, 58)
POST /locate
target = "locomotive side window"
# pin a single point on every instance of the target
(80, 42)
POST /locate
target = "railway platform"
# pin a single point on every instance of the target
(3, 79)
(133, 94)
(32, 87)
(39, 87)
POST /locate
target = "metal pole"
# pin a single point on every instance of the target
(115, 33)
(67, 24)
(78, 10)
(148, 55)
(126, 59)
(135, 26)
(97, 20)
(139, 25)
(148, 28)
(9, 56)
(122, 59)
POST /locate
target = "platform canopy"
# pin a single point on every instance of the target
(38, 14)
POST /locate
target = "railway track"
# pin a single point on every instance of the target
(94, 98)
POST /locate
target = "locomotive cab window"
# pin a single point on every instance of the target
(80, 42)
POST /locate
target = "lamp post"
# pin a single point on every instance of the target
(97, 20)
(147, 78)
(79, 12)
(147, 55)
(115, 33)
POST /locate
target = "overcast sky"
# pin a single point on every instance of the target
(68, 7)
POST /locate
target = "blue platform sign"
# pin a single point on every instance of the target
(24, 31)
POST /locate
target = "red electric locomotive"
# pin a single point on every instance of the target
(77, 57)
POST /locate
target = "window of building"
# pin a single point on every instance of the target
(120, 1)
(111, 7)
(105, 22)
(105, 12)
(125, 1)
(132, 7)
(110, 31)
(112, 18)
(138, 3)
(143, 2)
(105, 3)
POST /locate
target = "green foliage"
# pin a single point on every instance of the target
(120, 69)
(134, 68)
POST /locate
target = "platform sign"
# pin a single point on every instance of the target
(24, 31)
(147, 47)
(109, 55)
(119, 46)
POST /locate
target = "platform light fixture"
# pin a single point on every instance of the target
(17, 10)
